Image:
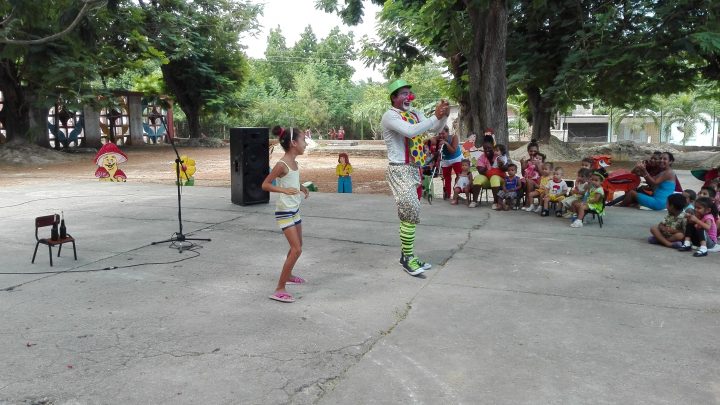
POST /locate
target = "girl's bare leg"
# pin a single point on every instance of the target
(293, 235)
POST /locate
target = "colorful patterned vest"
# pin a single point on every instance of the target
(414, 147)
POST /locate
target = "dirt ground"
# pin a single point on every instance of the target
(155, 164)
(26, 164)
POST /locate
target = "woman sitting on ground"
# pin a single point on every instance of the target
(663, 184)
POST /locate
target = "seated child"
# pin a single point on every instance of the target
(540, 191)
(582, 183)
(595, 197)
(503, 157)
(709, 192)
(556, 192)
(690, 198)
(510, 189)
(671, 231)
(463, 183)
(701, 228)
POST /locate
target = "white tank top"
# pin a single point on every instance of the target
(290, 180)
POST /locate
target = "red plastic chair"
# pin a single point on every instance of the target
(50, 220)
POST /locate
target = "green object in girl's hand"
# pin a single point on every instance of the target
(310, 186)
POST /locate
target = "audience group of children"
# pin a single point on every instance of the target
(691, 220)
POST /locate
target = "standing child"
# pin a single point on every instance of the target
(671, 231)
(701, 228)
(594, 201)
(287, 205)
(343, 171)
(463, 183)
(510, 188)
(556, 192)
(540, 190)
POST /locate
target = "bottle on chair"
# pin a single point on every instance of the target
(54, 231)
(63, 229)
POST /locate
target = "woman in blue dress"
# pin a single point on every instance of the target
(663, 184)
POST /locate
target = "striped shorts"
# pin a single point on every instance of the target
(286, 219)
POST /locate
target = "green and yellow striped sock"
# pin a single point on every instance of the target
(407, 238)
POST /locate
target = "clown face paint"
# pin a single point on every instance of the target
(403, 99)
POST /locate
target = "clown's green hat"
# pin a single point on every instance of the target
(397, 84)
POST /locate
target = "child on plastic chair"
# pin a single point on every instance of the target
(594, 202)
(540, 190)
(463, 183)
(556, 192)
(582, 183)
(510, 188)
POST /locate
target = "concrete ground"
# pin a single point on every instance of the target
(517, 308)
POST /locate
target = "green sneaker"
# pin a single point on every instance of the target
(425, 265)
(411, 265)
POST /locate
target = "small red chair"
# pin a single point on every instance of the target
(50, 220)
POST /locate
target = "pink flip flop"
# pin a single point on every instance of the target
(282, 297)
(296, 280)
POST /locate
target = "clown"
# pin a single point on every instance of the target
(107, 159)
(402, 126)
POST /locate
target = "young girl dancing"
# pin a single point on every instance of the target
(701, 228)
(287, 205)
(463, 183)
(343, 171)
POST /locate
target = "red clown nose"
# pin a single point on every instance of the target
(411, 97)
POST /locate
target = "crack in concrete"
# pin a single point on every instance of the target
(328, 384)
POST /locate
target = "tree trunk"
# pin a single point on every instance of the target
(15, 113)
(474, 66)
(189, 103)
(487, 84)
(541, 115)
(493, 80)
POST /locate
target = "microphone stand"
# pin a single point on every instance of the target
(179, 236)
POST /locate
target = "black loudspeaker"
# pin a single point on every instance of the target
(249, 165)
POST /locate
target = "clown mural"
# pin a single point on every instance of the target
(107, 160)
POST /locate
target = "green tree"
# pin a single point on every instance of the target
(633, 122)
(206, 63)
(469, 35)
(369, 108)
(562, 52)
(685, 111)
(337, 50)
(52, 51)
(278, 64)
(306, 47)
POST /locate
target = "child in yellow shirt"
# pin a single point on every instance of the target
(343, 170)
(541, 190)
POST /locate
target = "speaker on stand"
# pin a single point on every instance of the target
(249, 165)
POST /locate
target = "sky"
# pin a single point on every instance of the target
(294, 15)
